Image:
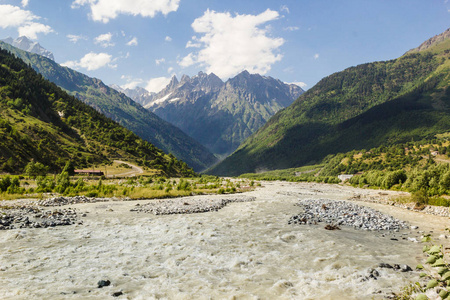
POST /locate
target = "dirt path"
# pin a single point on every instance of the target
(135, 170)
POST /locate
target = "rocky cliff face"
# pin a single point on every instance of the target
(26, 44)
(435, 40)
(220, 115)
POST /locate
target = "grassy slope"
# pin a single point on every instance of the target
(120, 108)
(360, 107)
(40, 121)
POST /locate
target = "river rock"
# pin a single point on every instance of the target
(103, 283)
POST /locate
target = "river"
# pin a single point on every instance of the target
(244, 251)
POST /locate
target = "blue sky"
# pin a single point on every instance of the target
(145, 42)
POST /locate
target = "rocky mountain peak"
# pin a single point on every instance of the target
(437, 39)
(173, 82)
(26, 44)
(185, 78)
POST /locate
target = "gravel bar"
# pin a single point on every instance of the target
(188, 205)
(33, 217)
(344, 213)
(61, 201)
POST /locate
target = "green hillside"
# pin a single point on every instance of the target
(121, 109)
(359, 108)
(41, 122)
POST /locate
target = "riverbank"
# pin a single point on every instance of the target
(246, 249)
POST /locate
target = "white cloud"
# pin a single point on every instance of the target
(231, 44)
(104, 40)
(32, 29)
(133, 42)
(160, 61)
(105, 10)
(191, 44)
(132, 84)
(300, 84)
(188, 60)
(316, 56)
(291, 28)
(75, 38)
(170, 70)
(284, 8)
(157, 84)
(25, 3)
(23, 20)
(168, 39)
(91, 61)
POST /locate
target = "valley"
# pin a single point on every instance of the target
(229, 183)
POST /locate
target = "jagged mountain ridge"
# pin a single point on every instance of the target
(121, 109)
(26, 44)
(220, 115)
(432, 42)
(362, 107)
(138, 94)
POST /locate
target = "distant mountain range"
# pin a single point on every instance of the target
(41, 122)
(121, 109)
(26, 44)
(362, 107)
(220, 115)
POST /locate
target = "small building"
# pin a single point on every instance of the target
(89, 172)
(344, 177)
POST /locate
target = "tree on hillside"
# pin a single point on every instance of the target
(34, 169)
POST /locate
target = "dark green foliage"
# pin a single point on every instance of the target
(69, 168)
(116, 106)
(11, 185)
(184, 185)
(420, 197)
(33, 169)
(55, 127)
(381, 103)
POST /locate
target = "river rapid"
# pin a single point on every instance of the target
(246, 250)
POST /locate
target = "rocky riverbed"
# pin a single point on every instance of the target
(149, 249)
(189, 205)
(33, 217)
(337, 213)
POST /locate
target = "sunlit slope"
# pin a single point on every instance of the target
(361, 107)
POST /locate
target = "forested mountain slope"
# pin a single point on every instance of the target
(121, 109)
(41, 122)
(361, 107)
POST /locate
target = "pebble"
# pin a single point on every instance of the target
(346, 214)
(34, 217)
(60, 201)
(188, 205)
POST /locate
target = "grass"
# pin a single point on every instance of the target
(142, 187)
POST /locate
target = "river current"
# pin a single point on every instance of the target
(244, 251)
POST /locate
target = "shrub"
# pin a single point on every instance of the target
(420, 197)
(33, 169)
(184, 185)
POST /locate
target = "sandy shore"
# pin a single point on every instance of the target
(245, 249)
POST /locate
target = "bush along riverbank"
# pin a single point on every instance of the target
(435, 283)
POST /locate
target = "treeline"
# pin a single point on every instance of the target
(384, 158)
(40, 121)
(410, 167)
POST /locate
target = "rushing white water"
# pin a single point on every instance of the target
(244, 251)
